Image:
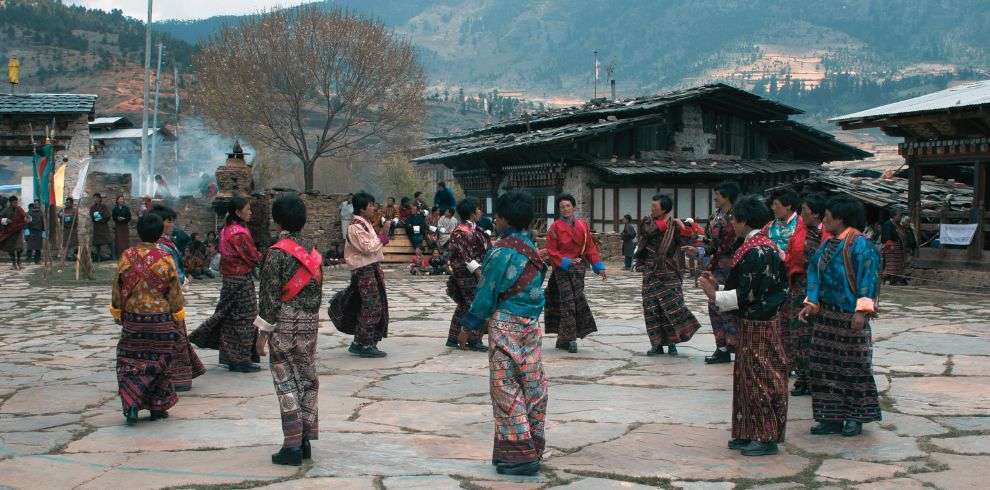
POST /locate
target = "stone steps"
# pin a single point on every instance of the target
(399, 249)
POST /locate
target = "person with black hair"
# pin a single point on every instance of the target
(628, 241)
(754, 292)
(418, 202)
(70, 231)
(231, 328)
(896, 242)
(36, 231)
(445, 226)
(467, 246)
(290, 292)
(788, 232)
(798, 332)
(102, 238)
(444, 198)
(13, 219)
(147, 302)
(786, 207)
(121, 216)
(571, 249)
(361, 310)
(720, 244)
(187, 365)
(509, 299)
(668, 320)
(415, 225)
(843, 280)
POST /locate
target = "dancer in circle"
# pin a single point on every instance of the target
(467, 247)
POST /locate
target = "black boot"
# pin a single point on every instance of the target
(452, 344)
(519, 469)
(720, 356)
(131, 415)
(572, 347)
(757, 448)
(671, 350)
(852, 428)
(656, 351)
(307, 449)
(477, 345)
(159, 414)
(366, 351)
(288, 456)
(801, 388)
(826, 427)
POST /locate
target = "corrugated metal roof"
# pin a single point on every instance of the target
(635, 168)
(47, 103)
(967, 95)
(124, 133)
(106, 121)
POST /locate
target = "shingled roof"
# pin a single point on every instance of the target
(47, 103)
(625, 167)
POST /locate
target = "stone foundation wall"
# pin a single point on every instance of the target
(966, 280)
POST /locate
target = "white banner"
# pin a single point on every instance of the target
(956, 234)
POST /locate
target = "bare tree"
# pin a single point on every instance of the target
(311, 83)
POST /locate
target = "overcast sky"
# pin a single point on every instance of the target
(186, 9)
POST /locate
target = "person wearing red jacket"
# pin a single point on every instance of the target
(231, 328)
(570, 247)
(789, 232)
(799, 332)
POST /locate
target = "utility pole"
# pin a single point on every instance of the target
(153, 161)
(175, 84)
(143, 186)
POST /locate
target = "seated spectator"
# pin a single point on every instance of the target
(391, 217)
(406, 209)
(196, 258)
(334, 257)
(446, 226)
(416, 229)
(419, 264)
(438, 264)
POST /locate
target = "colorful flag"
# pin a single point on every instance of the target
(43, 166)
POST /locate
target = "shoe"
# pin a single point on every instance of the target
(159, 414)
(181, 388)
(131, 415)
(672, 350)
(366, 351)
(737, 444)
(452, 344)
(656, 351)
(288, 456)
(477, 346)
(307, 449)
(519, 469)
(826, 427)
(572, 347)
(801, 389)
(757, 448)
(719, 357)
(852, 428)
(244, 367)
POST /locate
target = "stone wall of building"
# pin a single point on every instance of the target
(109, 186)
(577, 182)
(692, 138)
(77, 151)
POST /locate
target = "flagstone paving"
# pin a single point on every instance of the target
(420, 418)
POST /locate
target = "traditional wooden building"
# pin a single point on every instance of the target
(946, 135)
(613, 156)
(116, 146)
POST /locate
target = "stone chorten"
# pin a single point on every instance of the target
(234, 176)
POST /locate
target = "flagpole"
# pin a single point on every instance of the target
(596, 74)
(142, 167)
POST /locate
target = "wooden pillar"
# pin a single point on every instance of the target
(914, 197)
(975, 251)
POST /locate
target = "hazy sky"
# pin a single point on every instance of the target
(186, 9)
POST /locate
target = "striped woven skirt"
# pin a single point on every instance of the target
(231, 328)
(460, 287)
(518, 388)
(567, 313)
(361, 309)
(187, 364)
(145, 353)
(841, 369)
(759, 382)
(894, 261)
(795, 334)
(668, 320)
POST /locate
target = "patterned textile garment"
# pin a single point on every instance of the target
(780, 231)
(798, 338)
(720, 240)
(187, 365)
(668, 320)
(467, 248)
(567, 311)
(293, 320)
(510, 299)
(893, 251)
(231, 328)
(519, 388)
(361, 309)
(147, 301)
(842, 280)
(755, 290)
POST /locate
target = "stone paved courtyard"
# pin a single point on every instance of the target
(420, 418)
